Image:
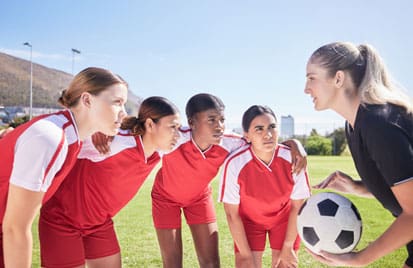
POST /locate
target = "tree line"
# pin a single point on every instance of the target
(333, 143)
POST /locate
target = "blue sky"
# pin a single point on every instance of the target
(246, 52)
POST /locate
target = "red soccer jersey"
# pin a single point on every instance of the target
(99, 186)
(262, 191)
(186, 172)
(38, 155)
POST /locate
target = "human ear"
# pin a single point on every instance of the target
(86, 99)
(191, 122)
(149, 124)
(339, 78)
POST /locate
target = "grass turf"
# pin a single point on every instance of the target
(139, 243)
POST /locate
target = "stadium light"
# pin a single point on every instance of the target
(31, 80)
(74, 51)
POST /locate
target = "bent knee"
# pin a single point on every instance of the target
(212, 262)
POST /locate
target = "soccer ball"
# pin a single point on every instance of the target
(330, 222)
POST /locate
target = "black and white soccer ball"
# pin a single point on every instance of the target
(330, 222)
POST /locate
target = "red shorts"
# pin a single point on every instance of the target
(167, 214)
(63, 245)
(256, 236)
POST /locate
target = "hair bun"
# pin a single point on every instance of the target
(63, 98)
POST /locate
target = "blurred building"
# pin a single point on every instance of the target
(287, 126)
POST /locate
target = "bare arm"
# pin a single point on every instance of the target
(298, 155)
(399, 233)
(342, 182)
(237, 230)
(22, 207)
(288, 257)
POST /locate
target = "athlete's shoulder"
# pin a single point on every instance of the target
(239, 151)
(121, 141)
(241, 155)
(45, 129)
(64, 120)
(43, 135)
(125, 140)
(376, 119)
(284, 152)
(375, 114)
(232, 141)
(232, 135)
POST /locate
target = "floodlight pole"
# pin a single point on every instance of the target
(31, 80)
(74, 51)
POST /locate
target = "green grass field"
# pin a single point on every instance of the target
(139, 244)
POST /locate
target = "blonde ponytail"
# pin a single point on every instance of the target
(372, 81)
(377, 86)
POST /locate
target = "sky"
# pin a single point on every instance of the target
(245, 52)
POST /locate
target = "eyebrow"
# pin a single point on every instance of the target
(308, 74)
(215, 115)
(258, 126)
(118, 97)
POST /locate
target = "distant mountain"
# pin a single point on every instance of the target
(47, 84)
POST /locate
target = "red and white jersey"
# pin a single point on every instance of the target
(99, 186)
(38, 155)
(263, 192)
(186, 171)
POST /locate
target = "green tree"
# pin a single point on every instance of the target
(314, 132)
(338, 138)
(19, 120)
(318, 145)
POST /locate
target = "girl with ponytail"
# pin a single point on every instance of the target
(78, 218)
(36, 156)
(354, 82)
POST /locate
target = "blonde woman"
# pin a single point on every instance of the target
(353, 81)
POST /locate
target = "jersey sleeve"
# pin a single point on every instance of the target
(118, 144)
(229, 189)
(39, 154)
(232, 142)
(391, 149)
(301, 189)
